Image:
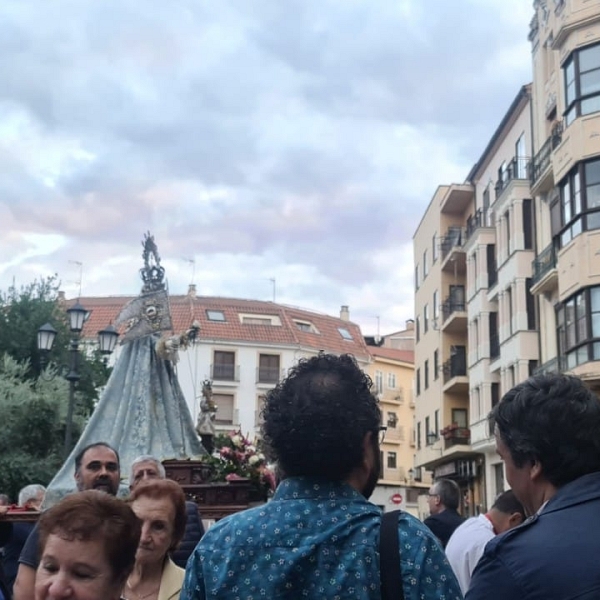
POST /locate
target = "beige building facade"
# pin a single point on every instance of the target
(565, 39)
(515, 273)
(400, 484)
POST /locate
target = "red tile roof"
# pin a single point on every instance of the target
(187, 309)
(407, 356)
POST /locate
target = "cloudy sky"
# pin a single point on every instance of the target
(297, 141)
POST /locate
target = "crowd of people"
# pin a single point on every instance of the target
(319, 536)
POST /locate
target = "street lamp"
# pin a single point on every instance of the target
(107, 339)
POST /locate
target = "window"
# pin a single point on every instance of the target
(417, 277)
(578, 320)
(428, 442)
(436, 363)
(225, 412)
(434, 248)
(378, 382)
(532, 366)
(391, 460)
(419, 435)
(494, 337)
(345, 333)
(425, 265)
(257, 321)
(418, 381)
(426, 374)
(306, 326)
(582, 83)
(499, 478)
(527, 224)
(436, 422)
(495, 391)
(268, 368)
(391, 380)
(507, 231)
(381, 474)
(224, 366)
(392, 420)
(509, 309)
(215, 315)
(459, 416)
(436, 307)
(530, 303)
(425, 319)
(491, 265)
(418, 328)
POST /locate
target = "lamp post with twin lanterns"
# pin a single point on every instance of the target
(107, 339)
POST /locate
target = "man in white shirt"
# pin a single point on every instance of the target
(467, 543)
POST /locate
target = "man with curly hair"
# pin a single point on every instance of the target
(319, 536)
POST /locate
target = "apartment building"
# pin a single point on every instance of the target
(499, 248)
(565, 38)
(476, 319)
(392, 373)
(515, 258)
(441, 344)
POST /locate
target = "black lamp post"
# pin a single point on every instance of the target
(107, 338)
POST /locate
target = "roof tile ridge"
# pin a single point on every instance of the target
(288, 321)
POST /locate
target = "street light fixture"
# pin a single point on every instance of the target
(107, 339)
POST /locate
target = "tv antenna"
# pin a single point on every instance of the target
(77, 282)
(192, 261)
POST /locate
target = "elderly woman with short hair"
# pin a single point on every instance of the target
(160, 506)
(88, 543)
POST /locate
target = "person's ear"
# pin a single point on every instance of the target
(515, 519)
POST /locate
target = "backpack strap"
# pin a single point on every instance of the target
(389, 557)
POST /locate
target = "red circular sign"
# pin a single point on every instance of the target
(397, 498)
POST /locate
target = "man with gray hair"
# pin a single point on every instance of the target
(443, 499)
(145, 468)
(32, 496)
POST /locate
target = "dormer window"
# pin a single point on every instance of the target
(345, 333)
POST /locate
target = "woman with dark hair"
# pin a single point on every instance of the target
(160, 506)
(88, 543)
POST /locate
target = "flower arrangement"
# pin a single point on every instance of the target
(236, 458)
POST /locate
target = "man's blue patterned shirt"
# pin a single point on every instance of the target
(315, 539)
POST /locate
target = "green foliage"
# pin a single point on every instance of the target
(34, 409)
(33, 417)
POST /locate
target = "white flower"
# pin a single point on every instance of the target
(236, 440)
(250, 449)
(253, 459)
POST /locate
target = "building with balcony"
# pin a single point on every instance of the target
(442, 422)
(565, 38)
(245, 347)
(392, 372)
(476, 319)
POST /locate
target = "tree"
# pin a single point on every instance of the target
(33, 395)
(33, 426)
(22, 312)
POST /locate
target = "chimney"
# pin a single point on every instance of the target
(61, 297)
(344, 313)
(410, 324)
(192, 290)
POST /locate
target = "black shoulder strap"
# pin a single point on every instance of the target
(389, 557)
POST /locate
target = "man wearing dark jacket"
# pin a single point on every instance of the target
(148, 467)
(546, 433)
(443, 499)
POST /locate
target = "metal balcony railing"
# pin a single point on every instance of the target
(455, 436)
(225, 372)
(543, 262)
(518, 168)
(474, 222)
(454, 238)
(268, 374)
(452, 305)
(541, 160)
(455, 366)
(557, 364)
